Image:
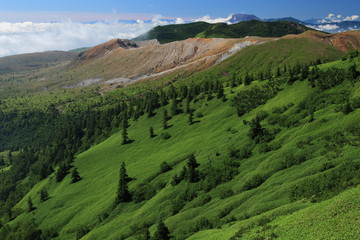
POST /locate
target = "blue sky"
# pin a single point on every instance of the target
(187, 8)
(40, 25)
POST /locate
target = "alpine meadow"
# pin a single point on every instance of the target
(200, 131)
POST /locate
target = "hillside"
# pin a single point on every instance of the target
(33, 61)
(170, 33)
(270, 153)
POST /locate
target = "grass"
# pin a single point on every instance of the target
(267, 208)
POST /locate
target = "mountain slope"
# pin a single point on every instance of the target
(171, 33)
(263, 181)
(33, 61)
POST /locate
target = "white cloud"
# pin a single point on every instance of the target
(325, 27)
(208, 19)
(352, 18)
(179, 21)
(26, 37)
(332, 18)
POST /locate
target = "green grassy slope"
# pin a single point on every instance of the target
(170, 33)
(267, 57)
(267, 209)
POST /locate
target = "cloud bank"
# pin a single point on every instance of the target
(208, 19)
(28, 37)
(333, 18)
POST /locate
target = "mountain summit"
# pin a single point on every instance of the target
(243, 17)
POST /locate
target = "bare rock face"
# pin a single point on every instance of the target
(127, 59)
(105, 49)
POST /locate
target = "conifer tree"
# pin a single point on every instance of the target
(187, 106)
(192, 174)
(125, 138)
(151, 131)
(162, 232)
(220, 90)
(165, 119)
(44, 195)
(123, 194)
(191, 117)
(30, 205)
(75, 177)
(174, 107)
(278, 72)
(62, 171)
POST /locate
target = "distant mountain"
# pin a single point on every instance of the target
(290, 19)
(313, 21)
(170, 33)
(236, 18)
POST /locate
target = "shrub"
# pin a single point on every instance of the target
(254, 182)
(165, 135)
(143, 192)
(165, 167)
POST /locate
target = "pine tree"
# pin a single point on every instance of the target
(162, 232)
(187, 106)
(151, 132)
(278, 72)
(220, 91)
(62, 171)
(125, 138)
(192, 174)
(123, 194)
(75, 177)
(174, 107)
(44, 195)
(30, 205)
(191, 117)
(165, 119)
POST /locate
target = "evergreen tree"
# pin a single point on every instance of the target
(151, 132)
(191, 117)
(10, 157)
(353, 72)
(2, 162)
(123, 194)
(146, 234)
(30, 205)
(192, 174)
(165, 119)
(174, 107)
(346, 109)
(62, 171)
(220, 91)
(44, 195)
(247, 80)
(278, 72)
(175, 180)
(75, 177)
(162, 232)
(233, 81)
(125, 138)
(187, 106)
(257, 132)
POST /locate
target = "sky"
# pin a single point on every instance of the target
(41, 25)
(189, 8)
